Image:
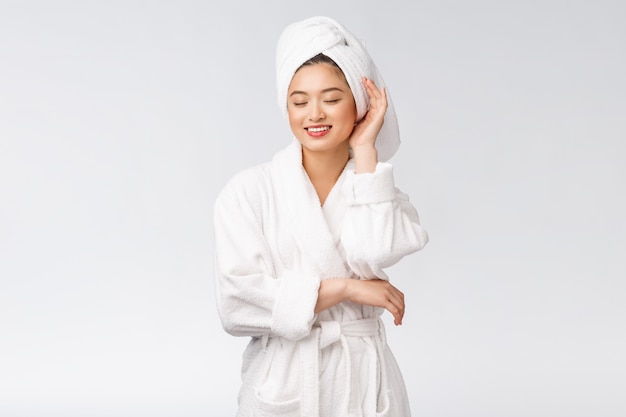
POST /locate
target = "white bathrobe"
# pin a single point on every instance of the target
(274, 244)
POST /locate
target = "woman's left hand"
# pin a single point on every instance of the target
(363, 137)
(366, 130)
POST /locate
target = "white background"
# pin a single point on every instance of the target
(120, 121)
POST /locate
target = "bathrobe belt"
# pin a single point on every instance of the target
(326, 333)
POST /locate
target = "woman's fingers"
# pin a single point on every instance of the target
(378, 97)
(380, 293)
(396, 305)
(367, 129)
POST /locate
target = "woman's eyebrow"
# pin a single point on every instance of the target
(326, 90)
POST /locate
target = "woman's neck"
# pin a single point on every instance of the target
(324, 168)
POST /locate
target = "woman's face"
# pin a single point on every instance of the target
(321, 108)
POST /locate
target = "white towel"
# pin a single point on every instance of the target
(303, 40)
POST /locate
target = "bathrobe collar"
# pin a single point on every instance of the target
(304, 216)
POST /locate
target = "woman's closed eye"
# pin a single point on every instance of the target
(327, 101)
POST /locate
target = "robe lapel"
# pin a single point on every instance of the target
(300, 207)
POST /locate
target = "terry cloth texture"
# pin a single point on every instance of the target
(274, 244)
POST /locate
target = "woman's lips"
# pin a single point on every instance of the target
(317, 131)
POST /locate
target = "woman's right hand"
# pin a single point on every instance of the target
(378, 293)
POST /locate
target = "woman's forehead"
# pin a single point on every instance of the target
(318, 78)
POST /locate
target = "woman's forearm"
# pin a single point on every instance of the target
(373, 292)
(331, 293)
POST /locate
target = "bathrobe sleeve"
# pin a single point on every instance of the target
(381, 225)
(251, 299)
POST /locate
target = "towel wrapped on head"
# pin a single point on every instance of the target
(303, 40)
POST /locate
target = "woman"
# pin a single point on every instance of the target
(302, 241)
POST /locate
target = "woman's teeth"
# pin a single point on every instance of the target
(318, 129)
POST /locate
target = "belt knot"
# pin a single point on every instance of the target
(330, 332)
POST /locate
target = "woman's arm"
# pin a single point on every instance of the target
(381, 225)
(375, 292)
(252, 299)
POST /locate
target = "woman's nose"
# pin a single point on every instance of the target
(316, 113)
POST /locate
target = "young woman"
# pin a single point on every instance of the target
(302, 241)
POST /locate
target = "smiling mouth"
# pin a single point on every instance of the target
(318, 129)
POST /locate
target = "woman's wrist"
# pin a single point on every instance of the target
(332, 292)
(365, 158)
